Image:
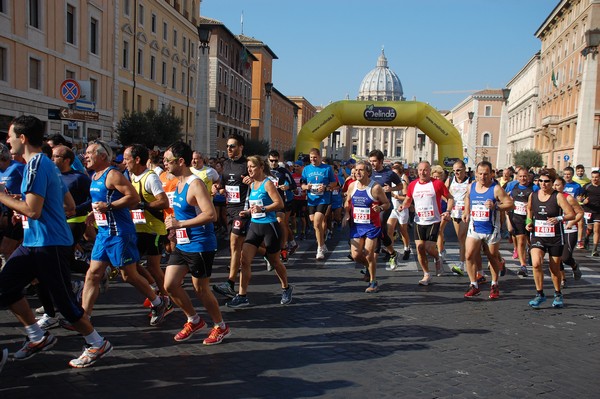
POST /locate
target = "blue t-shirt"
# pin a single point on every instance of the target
(42, 177)
(315, 175)
(12, 177)
(574, 189)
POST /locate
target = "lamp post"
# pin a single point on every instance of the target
(267, 131)
(472, 139)
(501, 161)
(202, 138)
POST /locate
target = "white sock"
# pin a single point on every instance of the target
(195, 319)
(474, 284)
(157, 301)
(34, 332)
(94, 339)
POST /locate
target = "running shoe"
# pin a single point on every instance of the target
(537, 301)
(238, 302)
(443, 253)
(494, 292)
(458, 269)
(91, 354)
(349, 256)
(114, 272)
(515, 254)
(284, 255)
(393, 262)
(3, 358)
(47, 322)
(270, 267)
(159, 311)
(293, 248)
(439, 268)
(188, 330)
(577, 272)
(406, 254)
(216, 335)
(579, 245)
(32, 348)
(558, 301)
(40, 310)
(425, 280)
(595, 253)
(373, 287)
(502, 267)
(522, 272)
(472, 291)
(286, 295)
(481, 278)
(224, 289)
(320, 254)
(324, 249)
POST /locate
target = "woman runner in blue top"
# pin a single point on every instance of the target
(263, 203)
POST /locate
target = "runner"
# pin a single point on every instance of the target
(484, 201)
(365, 202)
(196, 246)
(546, 211)
(43, 256)
(591, 205)
(399, 218)
(427, 194)
(458, 185)
(263, 202)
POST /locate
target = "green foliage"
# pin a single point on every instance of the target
(150, 128)
(528, 159)
(256, 147)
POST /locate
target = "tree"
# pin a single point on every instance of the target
(528, 159)
(150, 128)
(256, 147)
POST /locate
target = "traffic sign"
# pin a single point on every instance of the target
(70, 91)
(566, 157)
(78, 115)
(54, 114)
(466, 160)
(85, 105)
(72, 125)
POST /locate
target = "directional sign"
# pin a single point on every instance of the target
(85, 105)
(78, 115)
(54, 114)
(70, 91)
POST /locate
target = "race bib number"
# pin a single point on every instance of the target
(314, 189)
(587, 215)
(100, 218)
(138, 217)
(425, 213)
(182, 236)
(25, 221)
(458, 209)
(520, 208)
(233, 194)
(543, 229)
(480, 213)
(259, 203)
(361, 215)
(275, 181)
(170, 196)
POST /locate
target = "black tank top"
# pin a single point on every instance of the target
(542, 211)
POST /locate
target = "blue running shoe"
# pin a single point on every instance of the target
(558, 301)
(537, 301)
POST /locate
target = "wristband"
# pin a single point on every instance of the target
(560, 218)
(528, 221)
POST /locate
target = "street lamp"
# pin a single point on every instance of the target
(471, 115)
(505, 94)
(202, 139)
(267, 132)
(204, 32)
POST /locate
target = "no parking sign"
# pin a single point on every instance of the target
(70, 91)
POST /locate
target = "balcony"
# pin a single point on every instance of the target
(550, 120)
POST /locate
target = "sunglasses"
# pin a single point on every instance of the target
(167, 160)
(231, 145)
(457, 170)
(544, 181)
(273, 160)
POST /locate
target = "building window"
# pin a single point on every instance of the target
(164, 73)
(70, 24)
(165, 31)
(191, 88)
(69, 74)
(488, 110)
(3, 6)
(152, 67)
(140, 62)
(174, 79)
(125, 100)
(34, 13)
(125, 63)
(184, 45)
(175, 38)
(35, 74)
(94, 36)
(126, 7)
(3, 63)
(139, 103)
(183, 82)
(486, 140)
(151, 104)
(153, 23)
(93, 90)
(140, 15)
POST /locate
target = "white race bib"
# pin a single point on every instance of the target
(520, 208)
(170, 196)
(25, 221)
(100, 218)
(361, 215)
(458, 209)
(138, 217)
(425, 213)
(182, 236)
(543, 228)
(314, 189)
(233, 194)
(259, 203)
(480, 213)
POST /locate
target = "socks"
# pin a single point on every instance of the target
(34, 332)
(94, 339)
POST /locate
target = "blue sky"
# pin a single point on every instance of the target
(326, 47)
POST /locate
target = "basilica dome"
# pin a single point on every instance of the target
(381, 83)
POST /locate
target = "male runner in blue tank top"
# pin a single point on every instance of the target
(46, 249)
(483, 202)
(194, 215)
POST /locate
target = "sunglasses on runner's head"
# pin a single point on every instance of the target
(544, 181)
(101, 144)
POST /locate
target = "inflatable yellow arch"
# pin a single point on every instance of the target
(383, 113)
